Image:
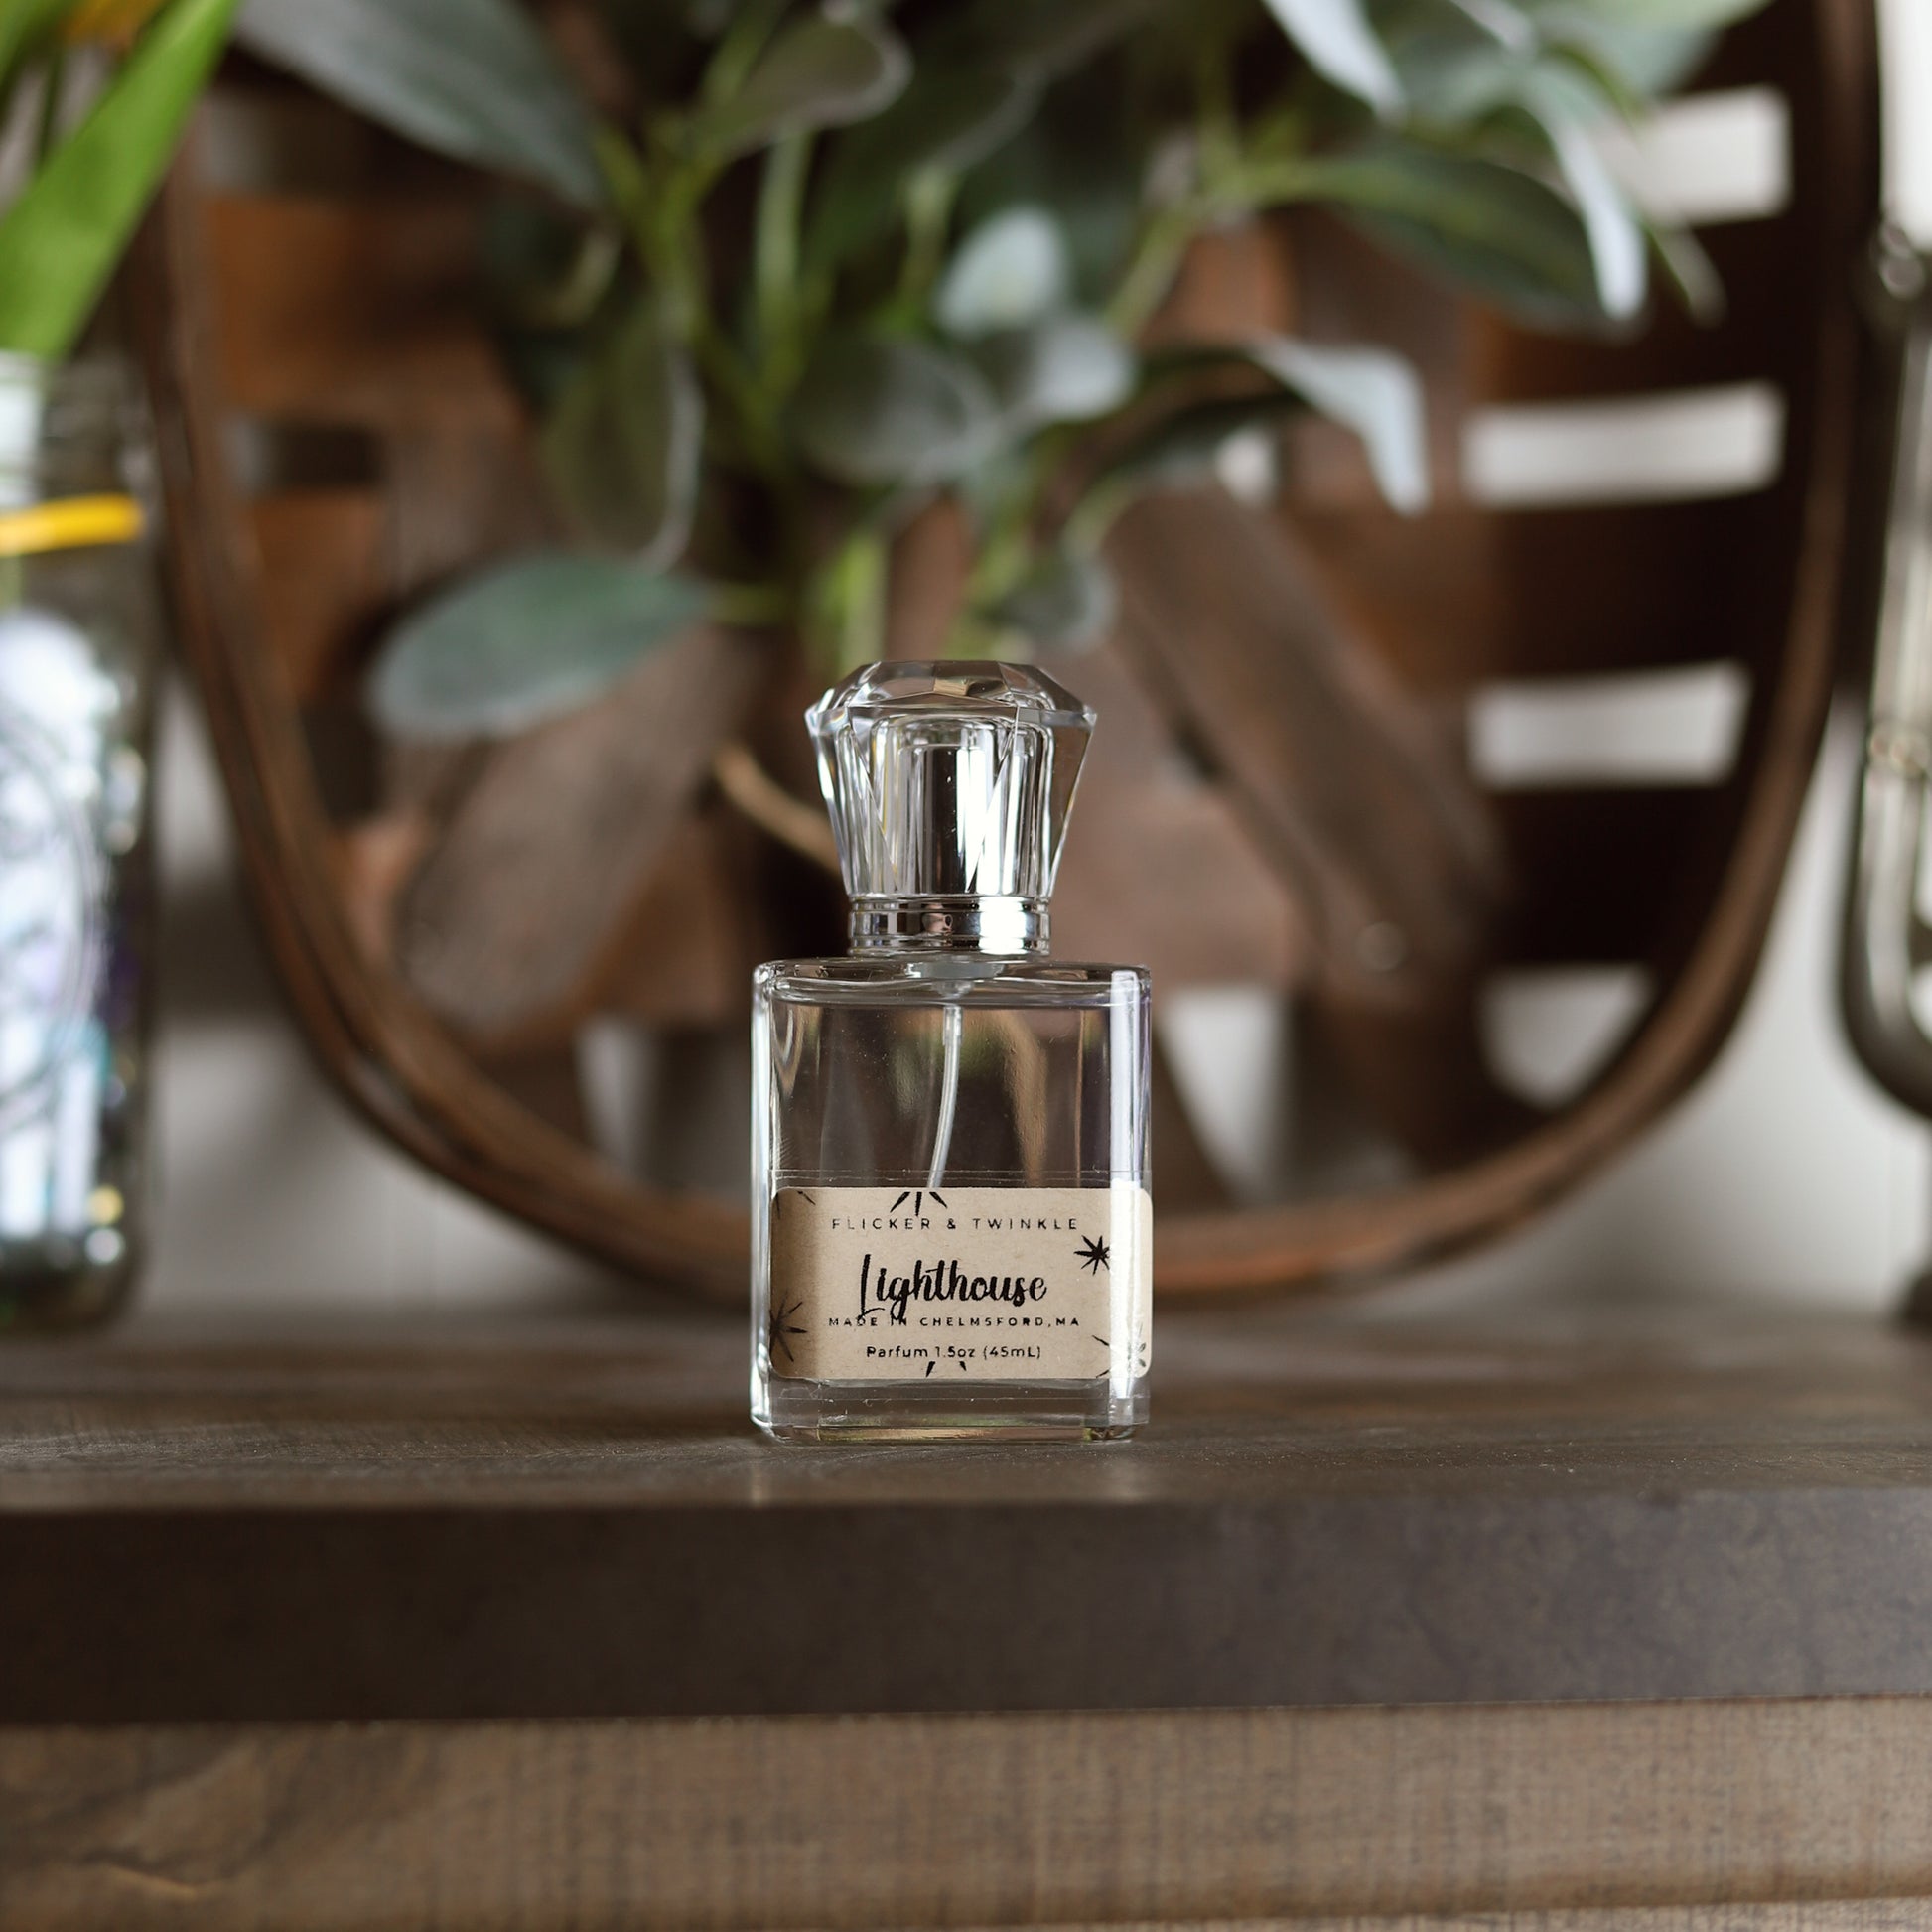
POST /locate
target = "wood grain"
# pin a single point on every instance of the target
(1648, 1818)
(1345, 780)
(575, 1520)
(1160, 867)
(1466, 596)
(551, 845)
(354, 312)
(353, 1628)
(321, 563)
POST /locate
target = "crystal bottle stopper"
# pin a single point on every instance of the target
(949, 786)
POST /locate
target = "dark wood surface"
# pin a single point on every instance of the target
(572, 1519)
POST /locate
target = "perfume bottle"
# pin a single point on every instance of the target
(952, 1235)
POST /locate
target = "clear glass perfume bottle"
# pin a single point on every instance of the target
(951, 1227)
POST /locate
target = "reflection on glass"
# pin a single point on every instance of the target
(76, 641)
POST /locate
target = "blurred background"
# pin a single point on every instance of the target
(1786, 1173)
(1443, 905)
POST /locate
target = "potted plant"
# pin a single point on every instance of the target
(792, 274)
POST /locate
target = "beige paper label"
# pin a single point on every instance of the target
(970, 1284)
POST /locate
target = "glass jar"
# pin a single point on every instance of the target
(78, 634)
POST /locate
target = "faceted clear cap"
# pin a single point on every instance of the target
(950, 781)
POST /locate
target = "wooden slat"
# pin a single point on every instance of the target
(685, 953)
(503, 928)
(1458, 598)
(1780, 1816)
(371, 861)
(323, 570)
(462, 493)
(357, 312)
(559, 1517)
(543, 1076)
(261, 131)
(1160, 867)
(1344, 778)
(1754, 339)
(1188, 1180)
(1178, 885)
(1599, 877)
(1418, 1078)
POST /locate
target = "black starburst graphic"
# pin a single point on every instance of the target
(917, 1196)
(780, 1328)
(1094, 1256)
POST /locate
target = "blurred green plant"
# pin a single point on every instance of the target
(86, 175)
(818, 264)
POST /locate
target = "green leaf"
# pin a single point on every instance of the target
(1067, 368)
(1617, 247)
(1496, 229)
(1041, 38)
(1084, 163)
(1650, 56)
(524, 643)
(945, 121)
(62, 236)
(470, 79)
(1453, 72)
(1459, 60)
(881, 410)
(1372, 392)
(544, 268)
(1644, 63)
(1674, 16)
(1066, 601)
(641, 28)
(1183, 450)
(817, 72)
(1502, 20)
(1691, 273)
(1342, 47)
(23, 25)
(1008, 272)
(624, 443)
(1458, 75)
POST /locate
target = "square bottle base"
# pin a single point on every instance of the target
(792, 1410)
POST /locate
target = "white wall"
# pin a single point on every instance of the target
(1786, 1173)
(271, 1192)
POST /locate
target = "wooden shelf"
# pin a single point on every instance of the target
(565, 1520)
(1359, 1584)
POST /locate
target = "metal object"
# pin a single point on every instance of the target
(1887, 938)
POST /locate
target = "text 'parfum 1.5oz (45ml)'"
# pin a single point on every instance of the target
(952, 1235)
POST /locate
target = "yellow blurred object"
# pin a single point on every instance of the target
(113, 20)
(73, 523)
